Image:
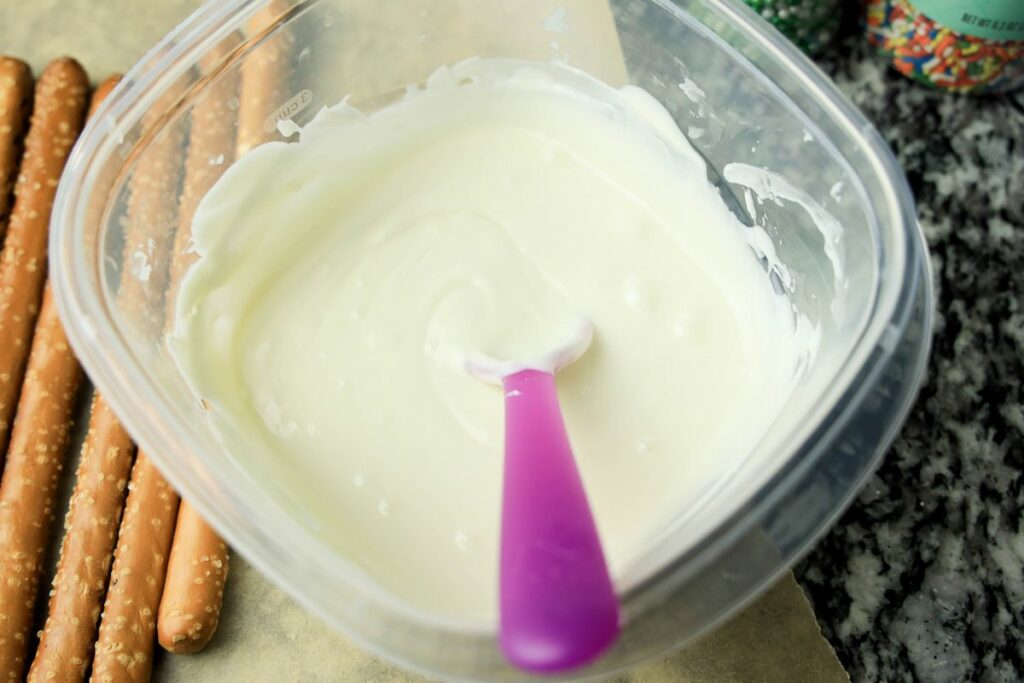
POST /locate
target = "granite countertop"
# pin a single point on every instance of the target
(922, 577)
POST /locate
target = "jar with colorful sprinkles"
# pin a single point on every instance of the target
(957, 45)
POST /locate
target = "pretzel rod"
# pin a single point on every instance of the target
(90, 530)
(198, 567)
(126, 638)
(264, 78)
(58, 109)
(211, 151)
(194, 592)
(124, 649)
(194, 588)
(38, 446)
(66, 642)
(15, 105)
(101, 93)
(152, 214)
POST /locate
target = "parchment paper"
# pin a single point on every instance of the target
(264, 635)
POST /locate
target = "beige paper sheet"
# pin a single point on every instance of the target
(264, 635)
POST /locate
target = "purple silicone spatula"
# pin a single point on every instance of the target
(558, 609)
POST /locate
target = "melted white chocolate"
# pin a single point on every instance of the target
(344, 279)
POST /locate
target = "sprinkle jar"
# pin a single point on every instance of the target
(957, 45)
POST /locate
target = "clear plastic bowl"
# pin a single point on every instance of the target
(740, 91)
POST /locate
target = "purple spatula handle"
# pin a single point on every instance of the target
(558, 609)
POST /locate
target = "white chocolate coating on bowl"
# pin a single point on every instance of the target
(344, 279)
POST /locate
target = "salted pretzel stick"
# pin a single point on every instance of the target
(152, 213)
(15, 105)
(126, 639)
(57, 115)
(38, 445)
(194, 588)
(124, 649)
(263, 81)
(101, 93)
(194, 592)
(210, 153)
(90, 530)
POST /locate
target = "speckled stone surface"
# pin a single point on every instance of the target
(922, 578)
